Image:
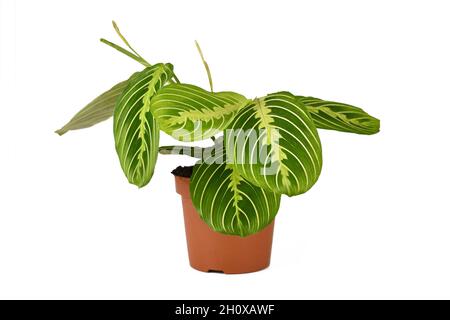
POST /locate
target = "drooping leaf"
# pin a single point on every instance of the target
(136, 133)
(340, 116)
(275, 145)
(227, 202)
(189, 113)
(99, 109)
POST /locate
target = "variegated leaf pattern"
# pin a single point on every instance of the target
(227, 202)
(340, 116)
(189, 113)
(136, 132)
(275, 145)
(98, 110)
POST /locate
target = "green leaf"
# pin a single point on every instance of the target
(189, 113)
(340, 116)
(275, 145)
(136, 133)
(100, 109)
(227, 202)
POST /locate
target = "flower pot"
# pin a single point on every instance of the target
(210, 251)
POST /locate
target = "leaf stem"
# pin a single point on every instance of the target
(195, 152)
(175, 78)
(134, 57)
(116, 27)
(126, 52)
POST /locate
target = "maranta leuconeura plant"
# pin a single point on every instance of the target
(263, 148)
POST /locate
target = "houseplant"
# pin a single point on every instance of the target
(267, 147)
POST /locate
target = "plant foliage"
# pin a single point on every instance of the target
(270, 144)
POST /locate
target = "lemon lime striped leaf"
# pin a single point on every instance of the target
(189, 113)
(98, 110)
(340, 116)
(275, 145)
(136, 132)
(227, 202)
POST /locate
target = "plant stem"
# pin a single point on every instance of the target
(176, 78)
(195, 152)
(134, 57)
(116, 27)
(126, 52)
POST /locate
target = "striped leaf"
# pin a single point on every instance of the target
(275, 145)
(227, 202)
(100, 109)
(340, 116)
(189, 113)
(136, 133)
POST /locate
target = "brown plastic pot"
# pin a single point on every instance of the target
(210, 251)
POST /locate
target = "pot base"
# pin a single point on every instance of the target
(210, 251)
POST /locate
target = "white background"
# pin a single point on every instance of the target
(376, 225)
